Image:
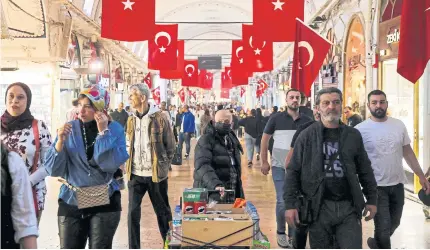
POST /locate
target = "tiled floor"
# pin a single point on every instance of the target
(414, 231)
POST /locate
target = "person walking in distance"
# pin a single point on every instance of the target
(353, 119)
(250, 126)
(332, 172)
(282, 127)
(387, 143)
(120, 115)
(187, 130)
(151, 151)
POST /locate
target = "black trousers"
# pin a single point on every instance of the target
(390, 208)
(137, 187)
(99, 228)
(337, 219)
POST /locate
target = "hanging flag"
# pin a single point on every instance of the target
(310, 49)
(202, 77)
(163, 47)
(225, 93)
(190, 75)
(258, 52)
(226, 79)
(177, 73)
(275, 20)
(193, 94)
(242, 91)
(237, 79)
(148, 80)
(261, 87)
(208, 82)
(156, 95)
(237, 57)
(129, 20)
(414, 44)
(181, 94)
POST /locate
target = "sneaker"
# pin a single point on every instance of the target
(249, 164)
(258, 157)
(186, 157)
(371, 242)
(282, 241)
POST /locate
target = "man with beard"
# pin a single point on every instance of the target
(282, 127)
(327, 159)
(387, 142)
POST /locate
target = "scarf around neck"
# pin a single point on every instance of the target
(11, 123)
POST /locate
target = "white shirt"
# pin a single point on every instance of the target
(142, 149)
(198, 115)
(384, 143)
(23, 214)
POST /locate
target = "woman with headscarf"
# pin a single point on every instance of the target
(29, 137)
(18, 217)
(86, 154)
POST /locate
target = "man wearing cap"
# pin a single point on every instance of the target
(151, 150)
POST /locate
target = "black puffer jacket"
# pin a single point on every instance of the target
(305, 171)
(212, 162)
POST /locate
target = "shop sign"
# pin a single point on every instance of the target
(393, 37)
(389, 36)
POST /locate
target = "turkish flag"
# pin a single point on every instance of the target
(190, 74)
(310, 50)
(162, 48)
(225, 93)
(156, 95)
(129, 20)
(275, 20)
(208, 81)
(181, 94)
(177, 73)
(237, 56)
(202, 77)
(414, 44)
(258, 51)
(261, 87)
(242, 91)
(226, 79)
(148, 80)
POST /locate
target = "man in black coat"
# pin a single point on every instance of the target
(331, 169)
(120, 115)
(217, 157)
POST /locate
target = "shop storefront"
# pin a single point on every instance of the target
(354, 88)
(406, 100)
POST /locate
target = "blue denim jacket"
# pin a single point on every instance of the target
(72, 165)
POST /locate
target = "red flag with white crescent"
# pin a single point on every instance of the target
(177, 73)
(162, 48)
(190, 75)
(148, 80)
(156, 95)
(181, 94)
(258, 51)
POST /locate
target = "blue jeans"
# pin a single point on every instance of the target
(187, 138)
(249, 145)
(278, 175)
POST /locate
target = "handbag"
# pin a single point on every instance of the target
(177, 157)
(92, 196)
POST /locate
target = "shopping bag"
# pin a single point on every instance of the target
(177, 157)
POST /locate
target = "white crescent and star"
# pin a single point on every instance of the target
(163, 34)
(229, 73)
(278, 5)
(256, 51)
(190, 66)
(128, 4)
(427, 9)
(310, 50)
(239, 49)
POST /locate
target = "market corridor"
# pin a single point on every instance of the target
(413, 232)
